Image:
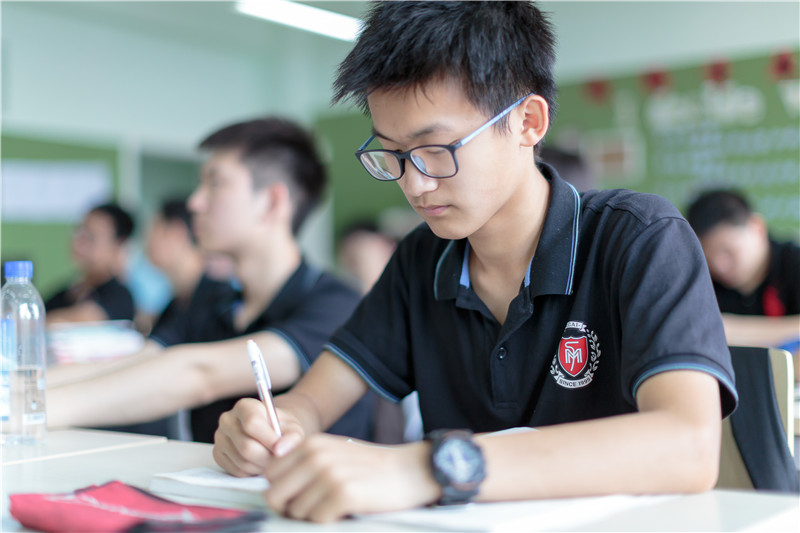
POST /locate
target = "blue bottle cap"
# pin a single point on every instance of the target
(19, 269)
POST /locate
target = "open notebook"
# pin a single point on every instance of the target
(213, 485)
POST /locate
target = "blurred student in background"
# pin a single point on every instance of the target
(261, 180)
(363, 252)
(98, 250)
(756, 278)
(172, 248)
(570, 166)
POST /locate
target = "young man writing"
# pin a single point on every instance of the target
(521, 303)
(756, 278)
(261, 180)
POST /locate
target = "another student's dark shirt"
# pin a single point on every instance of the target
(618, 291)
(778, 295)
(112, 296)
(309, 307)
(207, 293)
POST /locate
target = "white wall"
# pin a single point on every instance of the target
(160, 74)
(66, 74)
(102, 73)
(156, 76)
(609, 38)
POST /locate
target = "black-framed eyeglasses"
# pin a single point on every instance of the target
(433, 160)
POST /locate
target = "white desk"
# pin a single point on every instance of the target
(67, 443)
(712, 511)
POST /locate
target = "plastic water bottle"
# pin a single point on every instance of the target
(22, 358)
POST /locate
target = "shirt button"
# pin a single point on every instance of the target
(501, 353)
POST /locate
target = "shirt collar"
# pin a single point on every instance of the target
(552, 269)
(299, 283)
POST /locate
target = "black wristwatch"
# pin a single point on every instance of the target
(457, 464)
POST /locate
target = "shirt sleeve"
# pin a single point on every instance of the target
(668, 311)
(170, 328)
(375, 341)
(323, 309)
(57, 301)
(115, 299)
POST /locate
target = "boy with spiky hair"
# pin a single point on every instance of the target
(519, 303)
(260, 181)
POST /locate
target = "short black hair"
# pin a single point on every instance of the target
(276, 148)
(501, 52)
(175, 210)
(716, 207)
(121, 220)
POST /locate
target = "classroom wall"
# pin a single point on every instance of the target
(46, 243)
(598, 38)
(101, 69)
(720, 123)
(110, 77)
(145, 78)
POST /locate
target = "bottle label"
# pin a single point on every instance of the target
(32, 419)
(5, 395)
(8, 344)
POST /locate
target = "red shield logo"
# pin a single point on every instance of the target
(573, 354)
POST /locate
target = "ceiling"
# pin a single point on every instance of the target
(593, 35)
(213, 24)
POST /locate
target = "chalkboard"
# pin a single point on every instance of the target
(676, 131)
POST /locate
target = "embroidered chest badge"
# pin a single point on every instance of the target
(578, 355)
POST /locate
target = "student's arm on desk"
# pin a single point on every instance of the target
(180, 377)
(60, 375)
(670, 445)
(87, 311)
(753, 330)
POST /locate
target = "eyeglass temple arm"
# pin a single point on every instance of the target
(363, 146)
(477, 132)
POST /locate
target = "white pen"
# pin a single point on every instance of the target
(263, 383)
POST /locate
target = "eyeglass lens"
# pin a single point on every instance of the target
(433, 161)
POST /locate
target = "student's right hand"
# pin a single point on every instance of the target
(245, 443)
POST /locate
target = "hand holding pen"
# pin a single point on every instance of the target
(264, 384)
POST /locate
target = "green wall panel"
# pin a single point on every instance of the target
(692, 133)
(47, 244)
(356, 194)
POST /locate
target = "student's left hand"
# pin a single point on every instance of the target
(327, 478)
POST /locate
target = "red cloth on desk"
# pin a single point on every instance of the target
(116, 506)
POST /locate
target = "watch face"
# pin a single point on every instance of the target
(461, 460)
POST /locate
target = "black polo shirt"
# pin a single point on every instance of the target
(617, 292)
(778, 295)
(112, 296)
(168, 328)
(310, 306)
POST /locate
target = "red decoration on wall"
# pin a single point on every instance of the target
(598, 90)
(783, 66)
(655, 80)
(718, 71)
